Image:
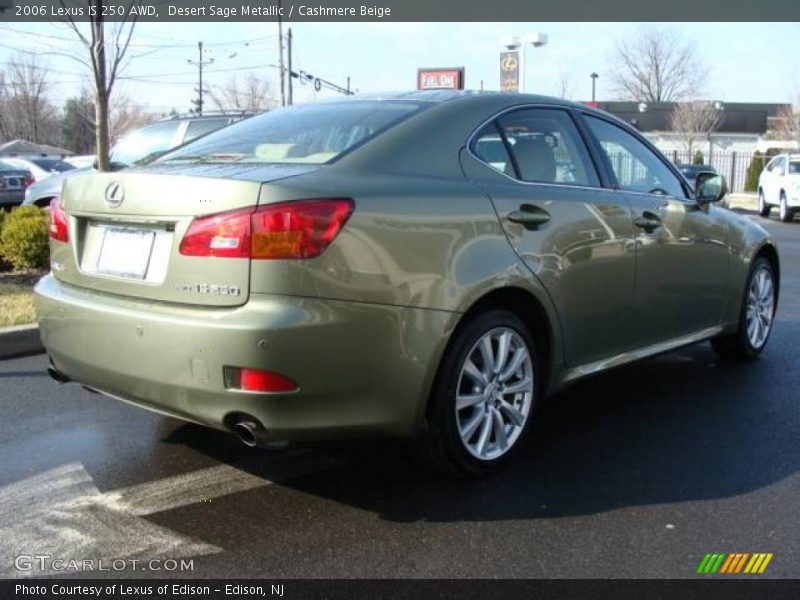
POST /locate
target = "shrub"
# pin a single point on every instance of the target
(698, 158)
(24, 238)
(754, 171)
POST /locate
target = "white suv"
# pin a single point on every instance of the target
(779, 185)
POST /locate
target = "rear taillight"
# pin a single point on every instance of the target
(225, 234)
(58, 222)
(286, 230)
(300, 229)
(29, 181)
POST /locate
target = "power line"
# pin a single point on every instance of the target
(152, 43)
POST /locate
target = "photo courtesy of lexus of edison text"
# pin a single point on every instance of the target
(399, 299)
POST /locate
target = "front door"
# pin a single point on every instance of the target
(681, 247)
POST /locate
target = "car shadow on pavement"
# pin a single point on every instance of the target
(683, 426)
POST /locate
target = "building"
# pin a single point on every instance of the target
(742, 127)
(24, 149)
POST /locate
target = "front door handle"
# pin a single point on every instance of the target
(648, 221)
(529, 216)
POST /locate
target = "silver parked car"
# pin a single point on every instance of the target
(139, 147)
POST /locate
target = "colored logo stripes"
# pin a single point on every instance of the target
(737, 562)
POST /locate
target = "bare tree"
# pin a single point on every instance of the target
(658, 65)
(25, 111)
(564, 89)
(125, 116)
(694, 121)
(106, 56)
(788, 122)
(248, 93)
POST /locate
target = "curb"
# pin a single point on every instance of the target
(23, 339)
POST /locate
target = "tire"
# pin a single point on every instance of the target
(786, 214)
(742, 344)
(498, 420)
(763, 207)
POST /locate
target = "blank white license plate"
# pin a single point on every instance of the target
(125, 252)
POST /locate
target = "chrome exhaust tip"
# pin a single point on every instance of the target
(57, 375)
(248, 432)
(253, 435)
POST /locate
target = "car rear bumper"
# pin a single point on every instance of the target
(361, 368)
(11, 197)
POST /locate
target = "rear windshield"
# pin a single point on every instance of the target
(52, 165)
(310, 134)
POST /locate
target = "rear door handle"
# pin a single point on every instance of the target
(529, 216)
(648, 221)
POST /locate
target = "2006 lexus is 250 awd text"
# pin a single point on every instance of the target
(427, 265)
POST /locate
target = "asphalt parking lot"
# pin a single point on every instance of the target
(634, 473)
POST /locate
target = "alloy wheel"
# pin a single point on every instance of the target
(760, 307)
(494, 393)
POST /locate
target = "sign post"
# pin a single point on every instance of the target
(509, 71)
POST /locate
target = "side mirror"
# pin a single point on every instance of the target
(709, 187)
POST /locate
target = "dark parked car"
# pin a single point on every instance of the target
(139, 147)
(691, 171)
(13, 182)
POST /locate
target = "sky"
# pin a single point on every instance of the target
(748, 62)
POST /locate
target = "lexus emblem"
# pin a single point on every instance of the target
(114, 195)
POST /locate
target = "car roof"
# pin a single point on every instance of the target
(439, 96)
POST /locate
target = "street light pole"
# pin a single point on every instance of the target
(594, 77)
(537, 40)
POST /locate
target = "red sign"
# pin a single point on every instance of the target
(440, 79)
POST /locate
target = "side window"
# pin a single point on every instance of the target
(636, 167)
(547, 147)
(203, 126)
(490, 148)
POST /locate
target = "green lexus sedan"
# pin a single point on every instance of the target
(428, 265)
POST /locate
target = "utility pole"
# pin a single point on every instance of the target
(594, 77)
(281, 67)
(289, 64)
(200, 64)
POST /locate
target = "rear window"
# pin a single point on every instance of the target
(52, 165)
(311, 134)
(201, 127)
(794, 166)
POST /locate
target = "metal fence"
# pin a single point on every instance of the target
(733, 165)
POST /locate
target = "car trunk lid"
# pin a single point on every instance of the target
(125, 231)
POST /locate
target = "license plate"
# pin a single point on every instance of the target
(125, 253)
(14, 183)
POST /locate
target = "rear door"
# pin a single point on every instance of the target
(681, 247)
(770, 183)
(574, 235)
